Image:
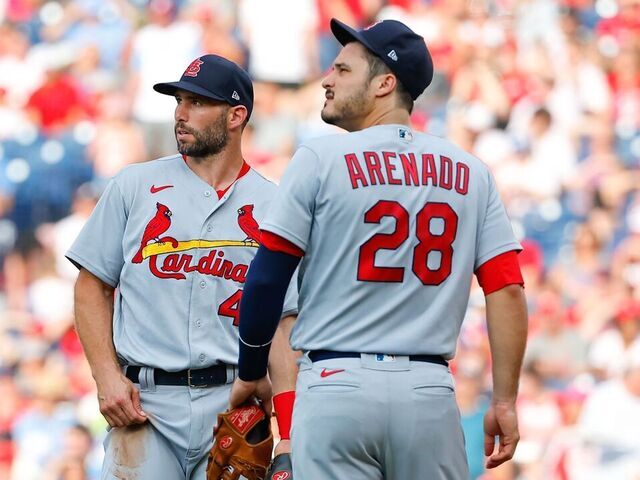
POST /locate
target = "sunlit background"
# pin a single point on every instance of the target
(547, 93)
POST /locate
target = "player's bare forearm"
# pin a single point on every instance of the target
(93, 319)
(283, 369)
(507, 324)
(119, 400)
(283, 372)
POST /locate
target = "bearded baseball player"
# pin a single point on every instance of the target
(173, 239)
(390, 224)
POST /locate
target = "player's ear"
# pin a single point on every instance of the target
(384, 84)
(236, 116)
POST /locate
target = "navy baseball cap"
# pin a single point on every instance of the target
(399, 47)
(214, 77)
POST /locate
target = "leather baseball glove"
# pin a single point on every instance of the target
(242, 445)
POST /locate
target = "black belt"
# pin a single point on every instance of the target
(317, 355)
(203, 377)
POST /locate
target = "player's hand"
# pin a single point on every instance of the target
(242, 391)
(119, 400)
(283, 446)
(501, 421)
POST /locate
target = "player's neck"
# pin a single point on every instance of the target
(219, 170)
(395, 116)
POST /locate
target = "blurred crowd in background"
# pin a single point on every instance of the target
(547, 93)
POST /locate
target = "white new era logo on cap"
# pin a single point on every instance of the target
(235, 96)
(392, 55)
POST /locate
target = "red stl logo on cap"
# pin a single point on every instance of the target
(281, 475)
(193, 69)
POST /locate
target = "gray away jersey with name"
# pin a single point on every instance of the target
(179, 257)
(393, 224)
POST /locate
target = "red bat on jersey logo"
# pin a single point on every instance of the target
(248, 224)
(159, 224)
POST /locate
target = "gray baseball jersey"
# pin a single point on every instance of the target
(179, 257)
(393, 224)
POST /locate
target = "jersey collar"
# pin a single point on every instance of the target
(243, 171)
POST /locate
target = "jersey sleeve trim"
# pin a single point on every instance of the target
(500, 271)
(498, 251)
(80, 262)
(289, 312)
(276, 243)
(286, 235)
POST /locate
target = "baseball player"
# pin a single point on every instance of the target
(390, 225)
(173, 238)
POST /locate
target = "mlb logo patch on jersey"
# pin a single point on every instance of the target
(405, 134)
(381, 357)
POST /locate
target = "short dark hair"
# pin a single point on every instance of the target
(543, 114)
(378, 67)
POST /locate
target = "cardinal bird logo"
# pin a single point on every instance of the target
(248, 224)
(159, 224)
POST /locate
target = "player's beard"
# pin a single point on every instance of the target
(346, 110)
(210, 141)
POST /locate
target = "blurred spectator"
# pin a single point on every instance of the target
(72, 462)
(12, 120)
(58, 237)
(118, 142)
(20, 73)
(59, 101)
(218, 31)
(577, 271)
(159, 50)
(282, 51)
(567, 458)
(610, 422)
(538, 418)
(11, 404)
(37, 432)
(611, 349)
(347, 11)
(555, 352)
(626, 260)
(103, 25)
(552, 156)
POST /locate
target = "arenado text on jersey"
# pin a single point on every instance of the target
(416, 169)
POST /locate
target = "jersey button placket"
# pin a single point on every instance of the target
(203, 284)
(207, 193)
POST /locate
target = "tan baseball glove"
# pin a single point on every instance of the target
(242, 445)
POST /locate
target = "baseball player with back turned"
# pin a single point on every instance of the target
(390, 225)
(174, 239)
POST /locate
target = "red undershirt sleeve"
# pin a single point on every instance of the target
(500, 271)
(276, 243)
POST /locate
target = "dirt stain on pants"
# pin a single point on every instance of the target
(129, 452)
